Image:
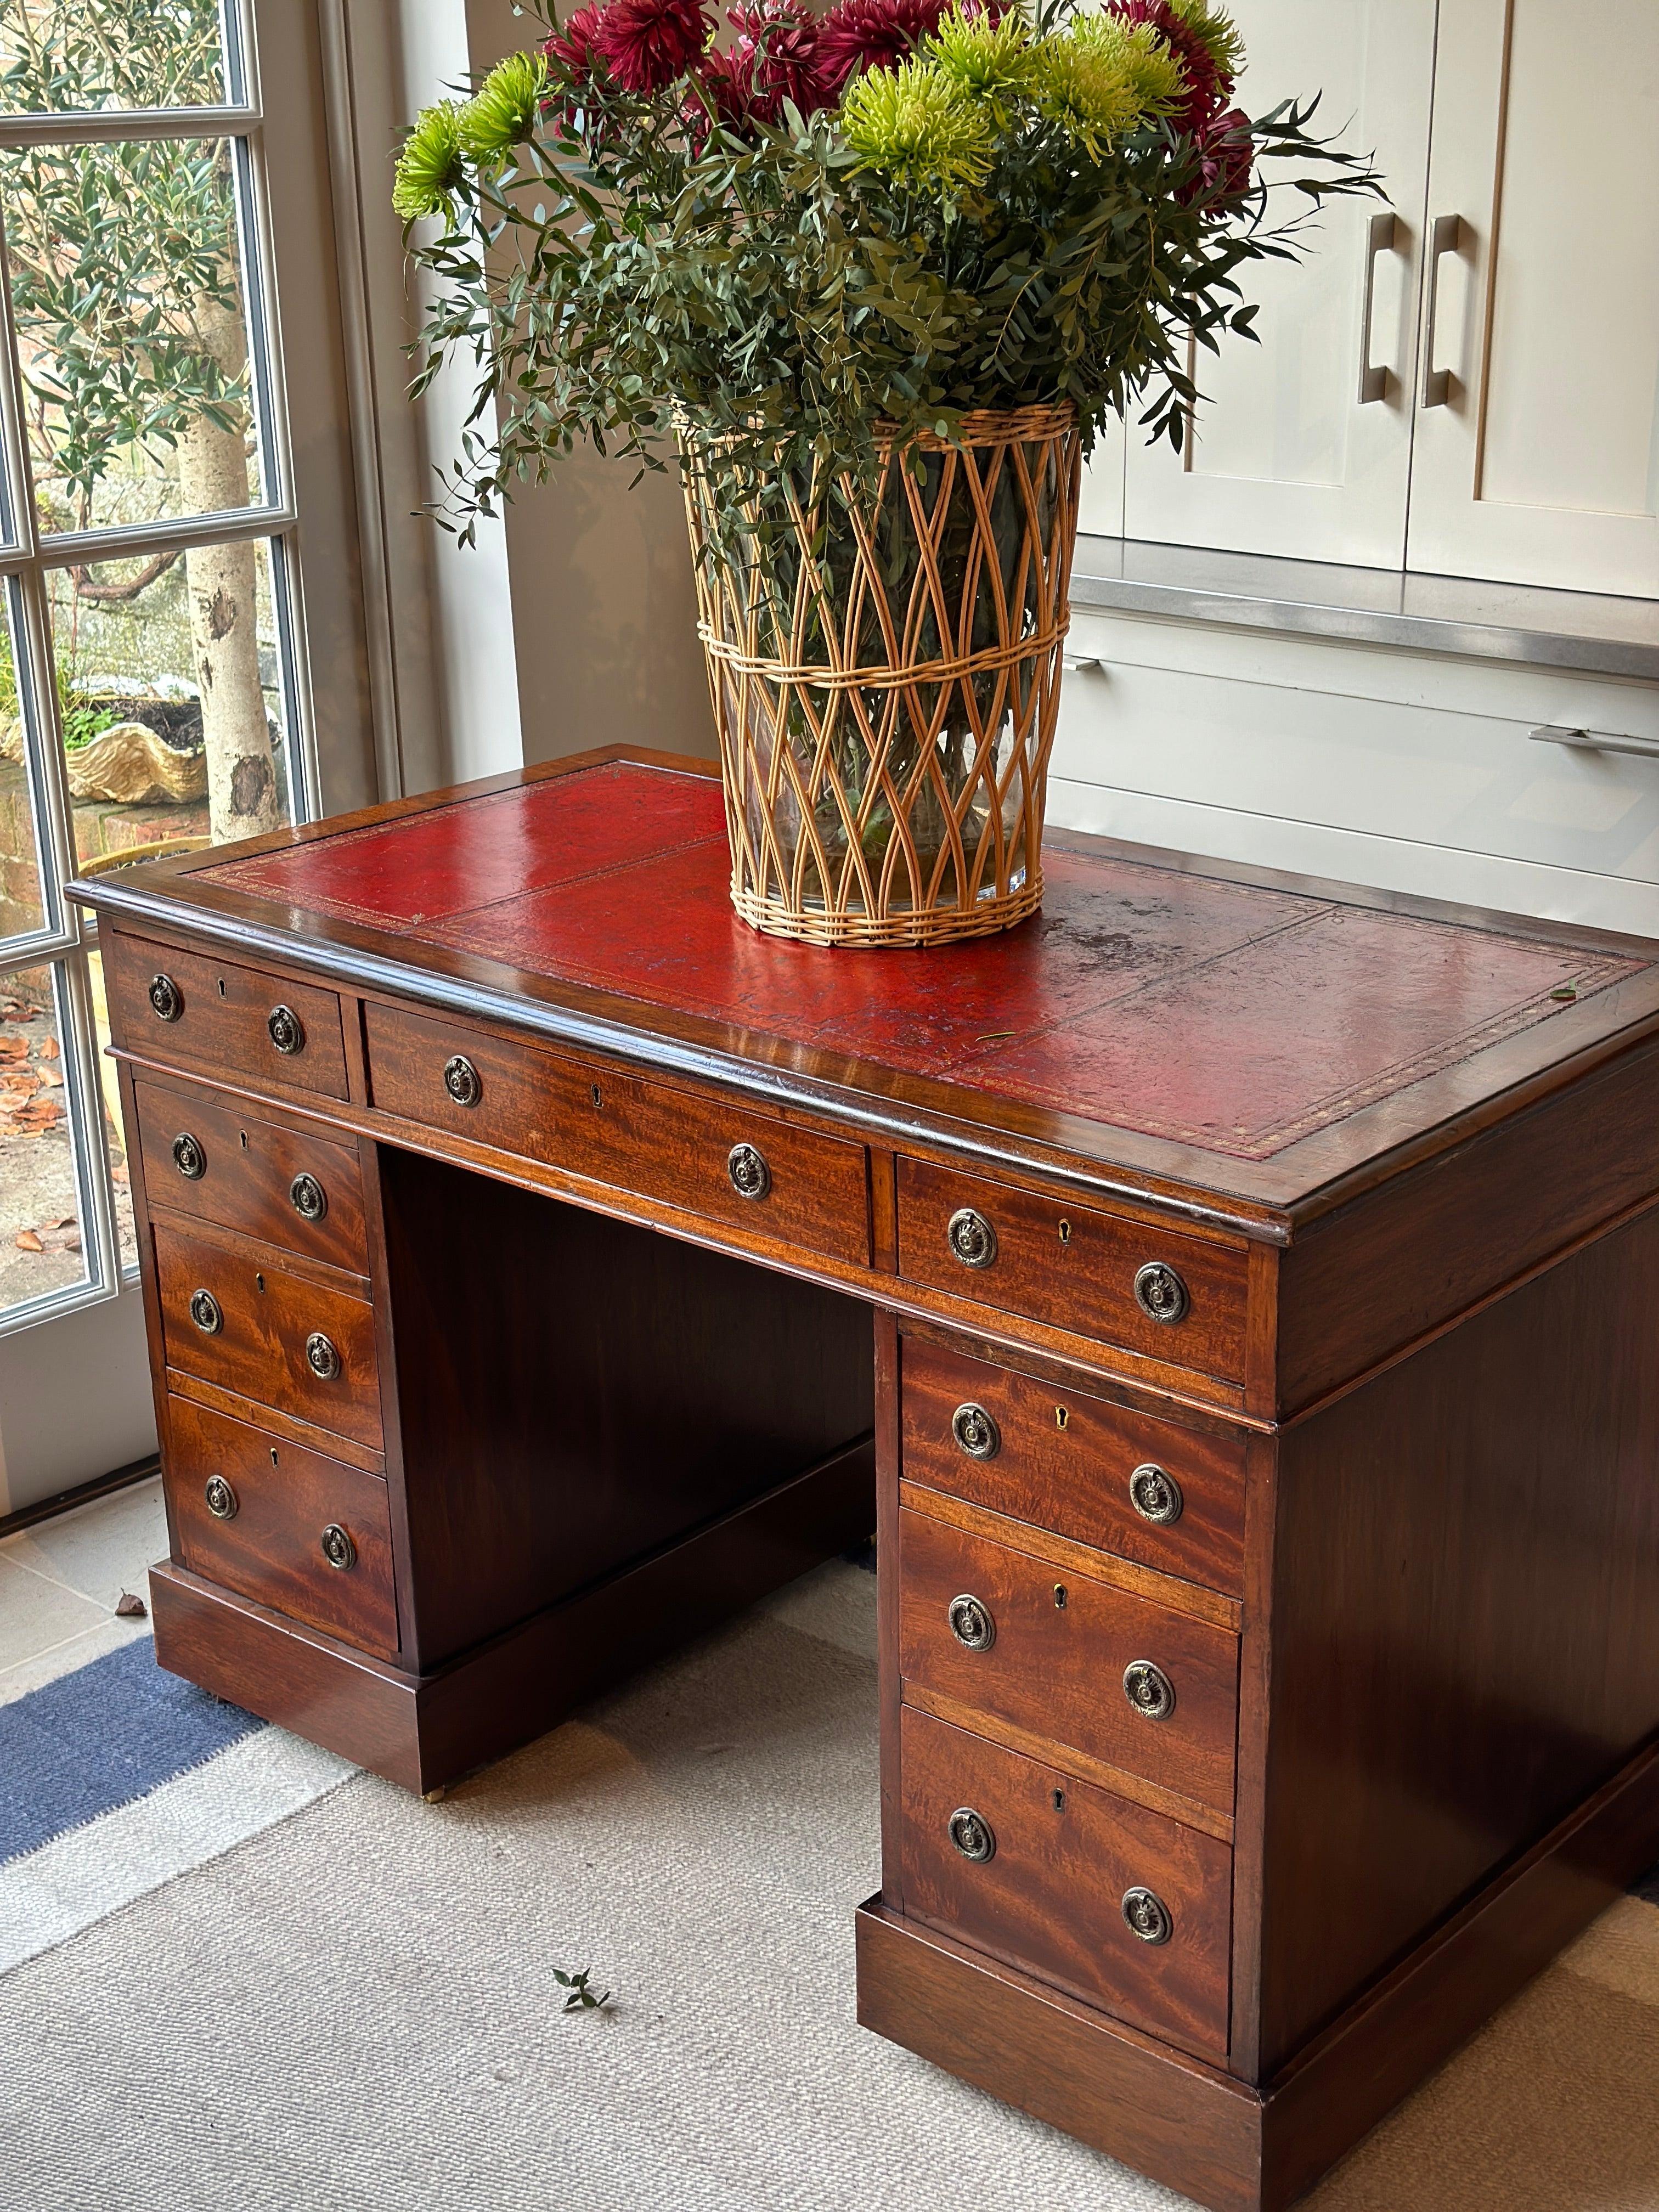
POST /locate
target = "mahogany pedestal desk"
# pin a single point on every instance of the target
(1261, 1421)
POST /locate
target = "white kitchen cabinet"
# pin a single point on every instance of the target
(1411, 771)
(1287, 457)
(1536, 456)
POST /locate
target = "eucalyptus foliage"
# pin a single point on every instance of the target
(1005, 225)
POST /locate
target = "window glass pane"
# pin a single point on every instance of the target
(41, 1246)
(127, 282)
(114, 1128)
(174, 726)
(22, 902)
(64, 55)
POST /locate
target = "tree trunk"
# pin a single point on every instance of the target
(242, 795)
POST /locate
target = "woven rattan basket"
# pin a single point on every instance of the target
(885, 677)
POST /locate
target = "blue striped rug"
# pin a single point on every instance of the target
(118, 1777)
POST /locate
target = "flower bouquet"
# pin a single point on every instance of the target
(879, 277)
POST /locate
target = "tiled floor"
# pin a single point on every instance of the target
(60, 1580)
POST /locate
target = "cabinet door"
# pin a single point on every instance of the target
(1537, 460)
(1288, 459)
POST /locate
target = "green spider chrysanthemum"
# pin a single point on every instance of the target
(430, 168)
(914, 124)
(1219, 34)
(986, 61)
(503, 111)
(1100, 76)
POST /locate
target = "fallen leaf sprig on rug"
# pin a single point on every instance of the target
(581, 1997)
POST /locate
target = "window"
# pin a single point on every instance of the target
(150, 692)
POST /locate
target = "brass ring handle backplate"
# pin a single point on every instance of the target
(204, 1312)
(1155, 1494)
(976, 1431)
(188, 1156)
(1146, 1915)
(221, 1499)
(971, 1237)
(337, 1548)
(166, 998)
(307, 1198)
(971, 1833)
(750, 1175)
(1149, 1690)
(321, 1357)
(462, 1080)
(972, 1623)
(286, 1032)
(1160, 1293)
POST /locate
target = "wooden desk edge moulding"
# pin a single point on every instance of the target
(1261, 1428)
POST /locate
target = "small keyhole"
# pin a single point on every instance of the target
(242, 1133)
(273, 1455)
(221, 987)
(1065, 1232)
(1060, 1596)
(1059, 1801)
(598, 1100)
(260, 1280)
(1061, 1417)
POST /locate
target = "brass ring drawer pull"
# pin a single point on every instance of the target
(204, 1312)
(188, 1156)
(971, 1833)
(1149, 1690)
(288, 1031)
(976, 1431)
(221, 1499)
(750, 1177)
(1155, 1494)
(167, 1000)
(462, 1080)
(337, 1548)
(971, 1237)
(321, 1357)
(307, 1198)
(972, 1623)
(1146, 1915)
(1160, 1293)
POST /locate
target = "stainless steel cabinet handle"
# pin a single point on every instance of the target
(1445, 238)
(1597, 741)
(1380, 238)
(1075, 663)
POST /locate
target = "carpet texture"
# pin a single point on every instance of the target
(355, 2009)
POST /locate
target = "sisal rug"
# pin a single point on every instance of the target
(353, 2006)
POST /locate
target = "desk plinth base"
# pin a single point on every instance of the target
(426, 1731)
(1219, 2140)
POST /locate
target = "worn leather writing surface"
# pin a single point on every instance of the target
(1231, 1015)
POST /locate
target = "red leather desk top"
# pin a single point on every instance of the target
(1224, 1015)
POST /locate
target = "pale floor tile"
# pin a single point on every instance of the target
(33, 1673)
(98, 1550)
(37, 1614)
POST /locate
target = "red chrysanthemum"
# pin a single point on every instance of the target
(859, 34)
(1226, 157)
(779, 40)
(1206, 88)
(573, 64)
(647, 44)
(728, 81)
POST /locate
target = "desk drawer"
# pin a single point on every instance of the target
(288, 1527)
(1080, 1465)
(1147, 1689)
(615, 1129)
(231, 1021)
(1075, 1268)
(284, 1186)
(1064, 1856)
(276, 1337)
